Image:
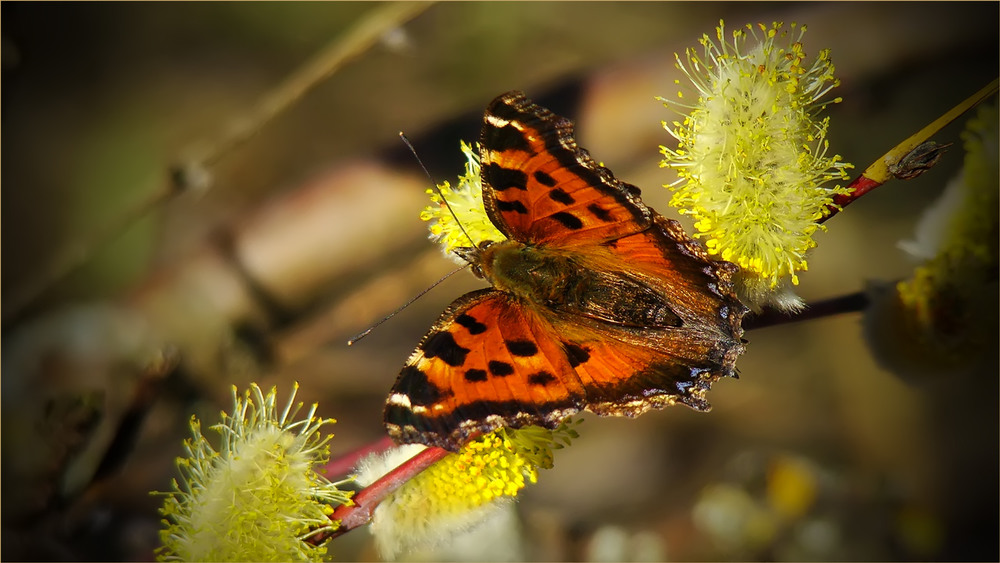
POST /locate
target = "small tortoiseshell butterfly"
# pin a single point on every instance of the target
(598, 303)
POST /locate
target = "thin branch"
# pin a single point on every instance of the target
(361, 37)
(359, 512)
(850, 303)
(881, 171)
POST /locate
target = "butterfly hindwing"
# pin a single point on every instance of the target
(487, 362)
(625, 376)
(639, 365)
(700, 289)
(540, 187)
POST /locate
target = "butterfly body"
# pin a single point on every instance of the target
(533, 274)
(563, 282)
(598, 303)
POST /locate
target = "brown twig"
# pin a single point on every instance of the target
(850, 303)
(361, 37)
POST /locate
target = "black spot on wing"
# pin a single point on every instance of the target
(502, 179)
(541, 379)
(515, 206)
(442, 345)
(599, 212)
(421, 391)
(396, 414)
(500, 369)
(576, 354)
(568, 220)
(578, 160)
(523, 348)
(546, 180)
(475, 375)
(471, 324)
(561, 196)
(504, 138)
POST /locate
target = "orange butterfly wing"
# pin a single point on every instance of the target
(540, 187)
(639, 363)
(599, 302)
(487, 362)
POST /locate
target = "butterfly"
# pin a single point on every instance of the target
(597, 302)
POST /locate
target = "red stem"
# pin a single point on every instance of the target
(359, 512)
(859, 187)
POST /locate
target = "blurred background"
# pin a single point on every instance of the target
(200, 195)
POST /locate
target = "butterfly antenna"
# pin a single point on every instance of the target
(409, 145)
(367, 331)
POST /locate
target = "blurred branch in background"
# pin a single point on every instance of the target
(194, 173)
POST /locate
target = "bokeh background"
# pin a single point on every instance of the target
(240, 249)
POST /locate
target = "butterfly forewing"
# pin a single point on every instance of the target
(540, 187)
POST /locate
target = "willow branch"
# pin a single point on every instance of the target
(886, 167)
(359, 512)
(850, 303)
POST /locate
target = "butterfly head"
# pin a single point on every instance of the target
(474, 255)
